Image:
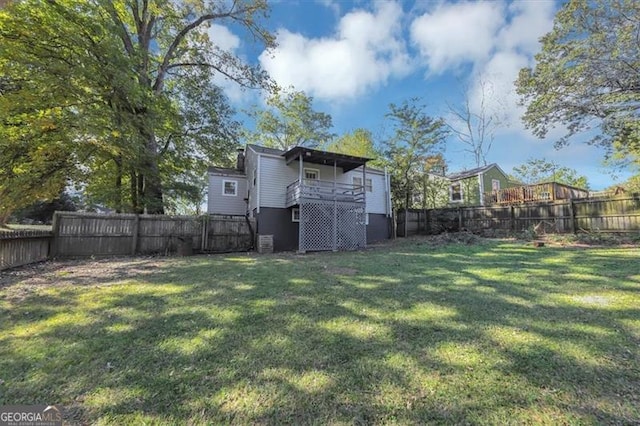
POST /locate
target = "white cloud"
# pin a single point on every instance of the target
(365, 51)
(222, 37)
(225, 40)
(454, 34)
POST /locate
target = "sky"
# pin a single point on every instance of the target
(356, 57)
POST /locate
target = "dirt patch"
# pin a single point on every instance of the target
(81, 272)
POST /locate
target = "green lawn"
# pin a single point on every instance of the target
(493, 333)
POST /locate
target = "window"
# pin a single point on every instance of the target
(295, 214)
(357, 181)
(311, 174)
(495, 185)
(230, 188)
(455, 193)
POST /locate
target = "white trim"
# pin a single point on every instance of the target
(481, 187)
(365, 185)
(311, 169)
(451, 200)
(293, 214)
(258, 183)
(235, 187)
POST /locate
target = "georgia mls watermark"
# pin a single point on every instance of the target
(31, 415)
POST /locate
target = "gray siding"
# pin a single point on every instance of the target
(226, 204)
(274, 177)
(277, 222)
(375, 198)
(378, 228)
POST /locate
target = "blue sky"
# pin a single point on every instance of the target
(354, 58)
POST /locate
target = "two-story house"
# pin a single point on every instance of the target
(309, 200)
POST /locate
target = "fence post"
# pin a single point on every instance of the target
(134, 235)
(55, 229)
(512, 216)
(572, 216)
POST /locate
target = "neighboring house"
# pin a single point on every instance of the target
(308, 199)
(470, 187)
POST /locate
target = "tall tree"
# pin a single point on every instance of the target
(542, 170)
(415, 136)
(475, 125)
(128, 83)
(290, 120)
(358, 142)
(586, 75)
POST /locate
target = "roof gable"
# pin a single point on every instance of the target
(475, 172)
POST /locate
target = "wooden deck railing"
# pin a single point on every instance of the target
(521, 194)
(324, 190)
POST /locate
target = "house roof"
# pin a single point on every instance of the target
(346, 162)
(265, 150)
(473, 172)
(225, 171)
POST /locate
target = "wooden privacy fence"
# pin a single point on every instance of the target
(90, 234)
(23, 247)
(85, 234)
(589, 215)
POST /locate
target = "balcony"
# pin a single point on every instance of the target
(323, 190)
(548, 191)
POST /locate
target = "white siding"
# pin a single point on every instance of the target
(376, 198)
(276, 175)
(225, 204)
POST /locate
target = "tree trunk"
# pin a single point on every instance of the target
(135, 206)
(152, 188)
(118, 200)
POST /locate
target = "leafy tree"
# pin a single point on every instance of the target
(290, 120)
(541, 170)
(358, 143)
(431, 184)
(42, 211)
(475, 127)
(126, 87)
(586, 75)
(415, 136)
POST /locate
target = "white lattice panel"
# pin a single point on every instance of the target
(329, 225)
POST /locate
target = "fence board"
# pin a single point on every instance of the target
(82, 234)
(619, 214)
(23, 247)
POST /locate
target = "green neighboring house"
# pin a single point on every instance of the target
(469, 188)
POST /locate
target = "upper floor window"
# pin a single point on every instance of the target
(357, 181)
(455, 192)
(230, 187)
(311, 174)
(495, 185)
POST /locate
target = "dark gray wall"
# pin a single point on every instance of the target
(277, 222)
(378, 228)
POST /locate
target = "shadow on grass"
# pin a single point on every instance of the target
(459, 334)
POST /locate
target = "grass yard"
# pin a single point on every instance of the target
(492, 333)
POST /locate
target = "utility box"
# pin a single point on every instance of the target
(265, 244)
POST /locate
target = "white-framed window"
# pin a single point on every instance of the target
(295, 214)
(229, 188)
(455, 192)
(495, 185)
(311, 174)
(357, 181)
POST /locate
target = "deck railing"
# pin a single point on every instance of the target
(324, 190)
(521, 194)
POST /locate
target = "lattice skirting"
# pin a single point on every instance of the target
(330, 225)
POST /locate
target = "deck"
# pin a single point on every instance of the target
(323, 190)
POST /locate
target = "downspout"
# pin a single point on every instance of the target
(481, 186)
